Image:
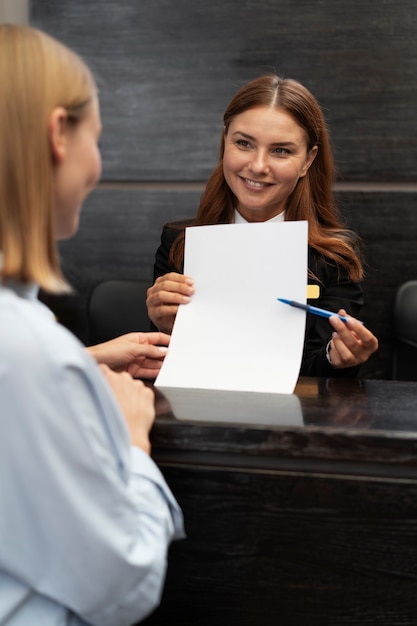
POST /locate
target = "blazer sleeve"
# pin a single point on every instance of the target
(170, 232)
(337, 291)
(162, 266)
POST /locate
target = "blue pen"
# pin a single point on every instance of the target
(314, 309)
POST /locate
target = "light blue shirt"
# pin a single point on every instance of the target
(85, 518)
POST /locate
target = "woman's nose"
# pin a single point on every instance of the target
(259, 162)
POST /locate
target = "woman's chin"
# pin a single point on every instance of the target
(68, 230)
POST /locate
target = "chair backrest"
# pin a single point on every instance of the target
(404, 365)
(116, 307)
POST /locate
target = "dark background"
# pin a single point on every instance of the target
(166, 72)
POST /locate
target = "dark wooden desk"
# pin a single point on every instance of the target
(308, 518)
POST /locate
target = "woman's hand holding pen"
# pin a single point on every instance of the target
(165, 296)
(352, 343)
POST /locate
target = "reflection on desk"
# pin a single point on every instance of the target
(321, 402)
(234, 407)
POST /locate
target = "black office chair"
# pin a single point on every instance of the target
(404, 365)
(116, 307)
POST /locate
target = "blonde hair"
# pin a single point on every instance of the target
(37, 74)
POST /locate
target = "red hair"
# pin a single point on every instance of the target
(312, 198)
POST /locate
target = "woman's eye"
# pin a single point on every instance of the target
(281, 151)
(242, 143)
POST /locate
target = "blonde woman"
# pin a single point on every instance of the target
(86, 516)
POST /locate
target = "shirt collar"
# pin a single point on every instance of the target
(241, 220)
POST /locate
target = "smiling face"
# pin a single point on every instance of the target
(265, 154)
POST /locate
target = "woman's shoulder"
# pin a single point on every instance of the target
(325, 268)
(172, 230)
(179, 225)
(33, 340)
(343, 242)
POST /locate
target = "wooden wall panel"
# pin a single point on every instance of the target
(120, 230)
(387, 224)
(168, 69)
(118, 237)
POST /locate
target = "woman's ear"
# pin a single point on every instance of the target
(57, 130)
(310, 158)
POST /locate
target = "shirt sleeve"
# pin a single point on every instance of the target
(88, 517)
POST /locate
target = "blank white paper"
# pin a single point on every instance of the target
(235, 334)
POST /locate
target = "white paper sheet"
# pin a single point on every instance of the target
(234, 334)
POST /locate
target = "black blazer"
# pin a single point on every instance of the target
(337, 291)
